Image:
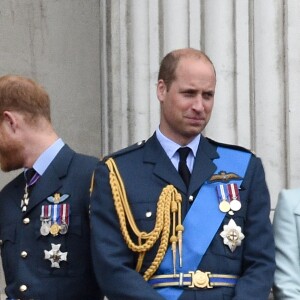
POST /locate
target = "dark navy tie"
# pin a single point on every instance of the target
(31, 177)
(183, 169)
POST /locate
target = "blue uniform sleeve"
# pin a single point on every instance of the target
(114, 262)
(258, 260)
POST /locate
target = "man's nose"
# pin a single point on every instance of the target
(198, 103)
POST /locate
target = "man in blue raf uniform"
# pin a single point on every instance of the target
(44, 215)
(200, 233)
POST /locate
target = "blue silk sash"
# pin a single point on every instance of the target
(203, 219)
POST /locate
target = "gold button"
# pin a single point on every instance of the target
(24, 254)
(23, 288)
(26, 221)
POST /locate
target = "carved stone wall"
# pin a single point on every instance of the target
(99, 60)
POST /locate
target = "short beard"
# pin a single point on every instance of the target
(10, 156)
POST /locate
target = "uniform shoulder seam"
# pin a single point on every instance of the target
(126, 150)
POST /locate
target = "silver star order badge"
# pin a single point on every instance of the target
(55, 255)
(232, 235)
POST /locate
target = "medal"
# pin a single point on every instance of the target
(55, 255)
(224, 206)
(45, 228)
(235, 203)
(45, 220)
(30, 180)
(232, 235)
(64, 218)
(54, 229)
(55, 219)
(222, 193)
(25, 199)
(63, 228)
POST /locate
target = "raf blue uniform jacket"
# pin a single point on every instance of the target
(146, 170)
(22, 245)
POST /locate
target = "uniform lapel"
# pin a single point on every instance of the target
(163, 167)
(203, 165)
(19, 186)
(51, 181)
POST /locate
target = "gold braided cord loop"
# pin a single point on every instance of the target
(169, 202)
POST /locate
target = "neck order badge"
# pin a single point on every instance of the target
(31, 177)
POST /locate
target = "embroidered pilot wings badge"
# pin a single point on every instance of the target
(224, 177)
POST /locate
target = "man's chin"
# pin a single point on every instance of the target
(194, 131)
(8, 168)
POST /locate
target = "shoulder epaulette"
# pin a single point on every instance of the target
(128, 149)
(240, 148)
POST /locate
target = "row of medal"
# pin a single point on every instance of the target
(55, 219)
(229, 198)
(229, 201)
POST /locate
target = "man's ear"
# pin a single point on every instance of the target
(10, 120)
(161, 90)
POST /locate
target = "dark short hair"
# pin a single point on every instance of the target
(168, 65)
